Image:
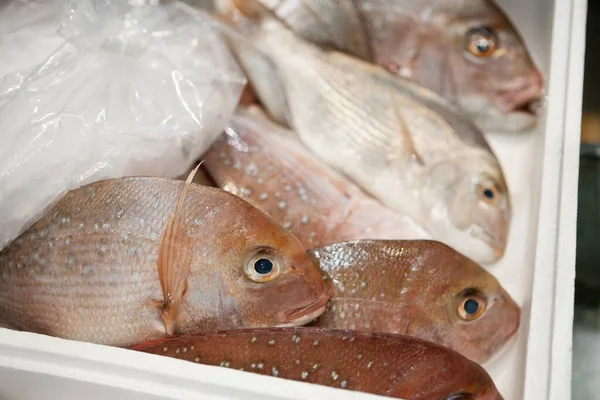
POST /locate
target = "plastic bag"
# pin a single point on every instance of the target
(131, 91)
(28, 35)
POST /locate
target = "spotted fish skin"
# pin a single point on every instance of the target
(416, 287)
(403, 144)
(88, 269)
(267, 165)
(384, 364)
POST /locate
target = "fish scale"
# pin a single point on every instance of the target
(424, 41)
(89, 268)
(415, 287)
(393, 365)
(400, 142)
(321, 206)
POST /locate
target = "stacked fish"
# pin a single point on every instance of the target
(334, 232)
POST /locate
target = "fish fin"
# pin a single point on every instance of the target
(260, 71)
(251, 9)
(351, 36)
(252, 31)
(257, 117)
(246, 17)
(405, 128)
(174, 262)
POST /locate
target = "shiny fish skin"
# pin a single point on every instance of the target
(87, 270)
(415, 288)
(336, 24)
(266, 165)
(389, 365)
(427, 43)
(400, 142)
(332, 23)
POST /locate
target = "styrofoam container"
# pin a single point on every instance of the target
(538, 269)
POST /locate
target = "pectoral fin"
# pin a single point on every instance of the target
(408, 140)
(174, 260)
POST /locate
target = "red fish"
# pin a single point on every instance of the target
(420, 288)
(384, 364)
(126, 260)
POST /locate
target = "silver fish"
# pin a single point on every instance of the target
(466, 50)
(268, 166)
(402, 143)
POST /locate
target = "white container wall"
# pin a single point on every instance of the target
(538, 268)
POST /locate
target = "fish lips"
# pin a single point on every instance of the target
(305, 314)
(514, 122)
(507, 334)
(518, 105)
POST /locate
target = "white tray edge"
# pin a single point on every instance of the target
(549, 349)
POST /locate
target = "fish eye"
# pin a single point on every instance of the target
(481, 42)
(460, 396)
(471, 306)
(488, 193)
(263, 266)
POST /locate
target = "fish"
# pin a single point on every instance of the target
(390, 365)
(400, 142)
(122, 261)
(265, 164)
(420, 288)
(466, 50)
(200, 176)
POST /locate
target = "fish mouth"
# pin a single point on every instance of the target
(523, 96)
(496, 242)
(498, 350)
(305, 314)
(531, 107)
(509, 336)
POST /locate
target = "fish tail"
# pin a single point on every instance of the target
(254, 10)
(249, 23)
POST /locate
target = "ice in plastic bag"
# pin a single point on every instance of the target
(131, 91)
(28, 35)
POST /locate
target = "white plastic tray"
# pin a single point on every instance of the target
(538, 269)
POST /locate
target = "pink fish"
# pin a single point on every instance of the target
(125, 260)
(385, 364)
(268, 166)
(466, 50)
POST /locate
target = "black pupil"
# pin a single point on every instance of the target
(483, 45)
(460, 396)
(488, 193)
(471, 306)
(263, 266)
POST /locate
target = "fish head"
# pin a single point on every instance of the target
(471, 208)
(271, 278)
(472, 312)
(490, 72)
(472, 383)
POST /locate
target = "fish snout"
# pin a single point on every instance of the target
(523, 95)
(498, 245)
(490, 395)
(304, 314)
(508, 321)
(495, 237)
